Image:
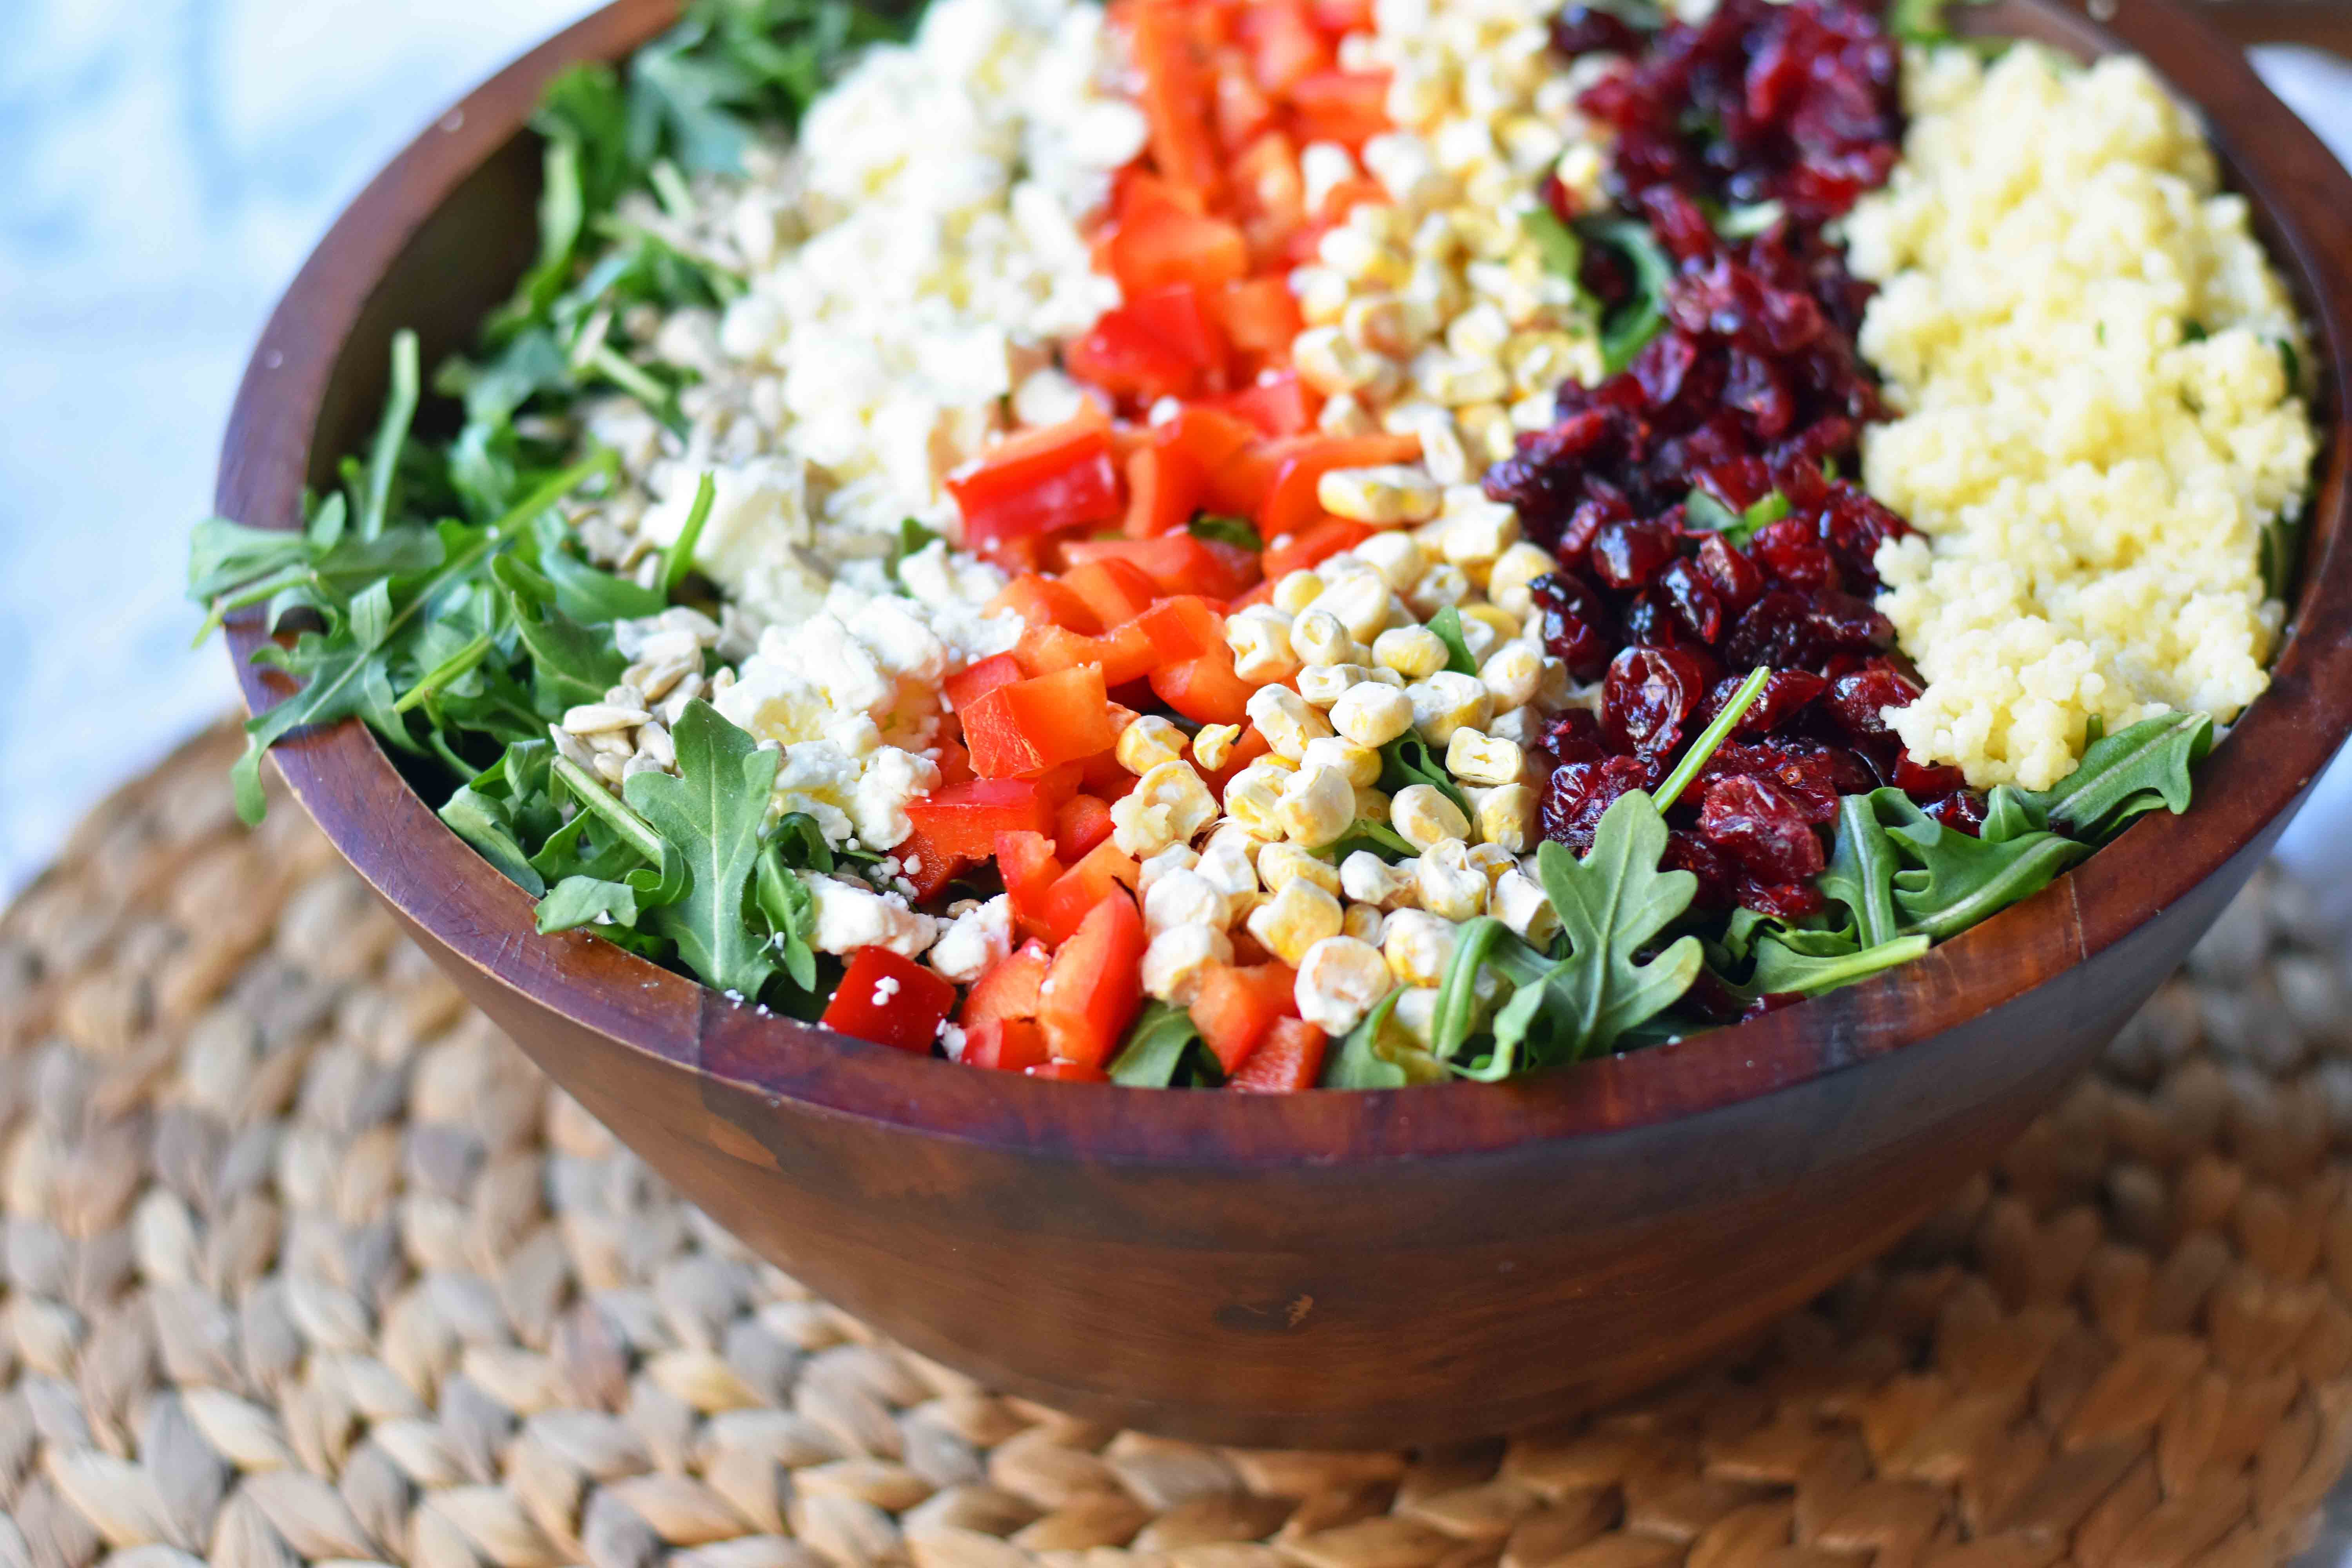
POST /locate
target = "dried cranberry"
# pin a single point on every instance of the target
(1859, 699)
(1785, 693)
(1694, 600)
(1763, 825)
(1786, 900)
(1791, 550)
(1717, 876)
(1926, 781)
(1647, 695)
(1842, 621)
(1574, 736)
(1735, 578)
(1774, 630)
(1963, 811)
(1578, 793)
(1626, 553)
(1588, 30)
(1575, 623)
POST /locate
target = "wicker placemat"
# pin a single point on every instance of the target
(304, 1263)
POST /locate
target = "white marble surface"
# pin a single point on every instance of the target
(165, 166)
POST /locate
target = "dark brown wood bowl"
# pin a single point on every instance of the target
(1326, 1269)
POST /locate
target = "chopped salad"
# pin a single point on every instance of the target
(1278, 543)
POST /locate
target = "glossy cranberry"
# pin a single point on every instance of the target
(1791, 550)
(1627, 553)
(1575, 623)
(1735, 579)
(1926, 781)
(1761, 824)
(1718, 873)
(1648, 695)
(1858, 700)
(1787, 900)
(1774, 630)
(1574, 736)
(1693, 599)
(1785, 694)
(1963, 811)
(1841, 621)
(1588, 30)
(1578, 793)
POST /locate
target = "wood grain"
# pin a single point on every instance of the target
(1324, 1269)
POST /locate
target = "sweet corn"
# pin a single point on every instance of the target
(1295, 920)
(1475, 757)
(1278, 864)
(1477, 636)
(1450, 885)
(1360, 602)
(1329, 362)
(1492, 860)
(1388, 494)
(1478, 332)
(1175, 857)
(1418, 946)
(1167, 806)
(1518, 903)
(1358, 256)
(1322, 295)
(1371, 806)
(1480, 533)
(1515, 569)
(1369, 880)
(1147, 742)
(1228, 865)
(1361, 764)
(1443, 584)
(1395, 556)
(1252, 799)
(1372, 714)
(1407, 169)
(1424, 816)
(1447, 701)
(1362, 922)
(1178, 959)
(1502, 623)
(1507, 818)
(1296, 591)
(1183, 898)
(1344, 416)
(1260, 639)
(1390, 324)
(1318, 638)
(1340, 979)
(1321, 685)
(1442, 454)
(1286, 721)
(1215, 743)
(1318, 806)
(1414, 652)
(1457, 381)
(1415, 1014)
(1323, 167)
(1524, 725)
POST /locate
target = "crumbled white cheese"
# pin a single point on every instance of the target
(850, 915)
(976, 942)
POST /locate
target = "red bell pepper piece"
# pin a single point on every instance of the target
(926, 865)
(1259, 315)
(1346, 107)
(1238, 1004)
(1278, 405)
(1123, 654)
(1204, 690)
(1104, 868)
(1159, 344)
(1311, 546)
(1039, 723)
(964, 819)
(1009, 990)
(1174, 96)
(890, 1000)
(1039, 482)
(1094, 985)
(1289, 1059)
(1117, 591)
(1240, 109)
(1030, 869)
(1177, 562)
(1182, 627)
(1041, 601)
(1292, 507)
(1082, 821)
(968, 683)
(1007, 1045)
(1284, 45)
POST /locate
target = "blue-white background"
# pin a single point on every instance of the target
(165, 166)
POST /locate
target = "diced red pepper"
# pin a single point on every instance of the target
(1094, 985)
(1340, 17)
(1041, 601)
(1104, 868)
(1161, 493)
(1289, 1059)
(1284, 45)
(1238, 1004)
(1039, 482)
(1122, 654)
(1182, 627)
(1009, 990)
(964, 819)
(890, 1000)
(1311, 546)
(1239, 107)
(1104, 777)
(1159, 344)
(1030, 869)
(1204, 690)
(1260, 314)
(926, 865)
(1178, 562)
(1278, 405)
(1346, 107)
(1035, 724)
(1292, 506)
(1007, 1045)
(1082, 821)
(1117, 591)
(968, 683)
(1174, 96)
(955, 760)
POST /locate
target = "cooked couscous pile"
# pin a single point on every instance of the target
(2091, 356)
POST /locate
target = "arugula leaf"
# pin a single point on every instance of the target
(791, 909)
(505, 807)
(1481, 943)
(1447, 625)
(712, 813)
(392, 434)
(1950, 880)
(1781, 968)
(913, 539)
(1711, 738)
(1231, 530)
(1562, 252)
(1702, 509)
(698, 90)
(590, 597)
(586, 900)
(1156, 1048)
(1611, 904)
(797, 837)
(1372, 1055)
(570, 664)
(2125, 775)
(1373, 837)
(1630, 327)
(1861, 873)
(1405, 762)
(679, 559)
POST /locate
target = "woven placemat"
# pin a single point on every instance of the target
(305, 1263)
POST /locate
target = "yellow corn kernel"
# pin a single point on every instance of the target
(1414, 652)
(1322, 295)
(1175, 857)
(1361, 764)
(1254, 799)
(1443, 584)
(1167, 806)
(1492, 860)
(1395, 556)
(1321, 685)
(1329, 362)
(1422, 816)
(1478, 332)
(1450, 885)
(1457, 382)
(1516, 901)
(1390, 324)
(1418, 946)
(1475, 757)
(1323, 167)
(1448, 702)
(1147, 742)
(1294, 919)
(1371, 806)
(1228, 863)
(1507, 818)
(1360, 599)
(1318, 638)
(1480, 531)
(1299, 589)
(1318, 806)
(1340, 979)
(1512, 675)
(1183, 898)
(1369, 880)
(1502, 623)
(1362, 922)
(1372, 714)
(1515, 570)
(1387, 494)
(1344, 416)
(1180, 958)
(1286, 721)
(1215, 743)
(1278, 864)
(1260, 639)
(1415, 1015)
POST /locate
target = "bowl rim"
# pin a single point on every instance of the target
(2302, 202)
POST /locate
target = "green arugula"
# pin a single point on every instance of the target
(1783, 969)
(1628, 328)
(711, 812)
(1447, 625)
(1161, 1049)
(1375, 1054)
(1703, 510)
(1861, 873)
(791, 909)
(1373, 837)
(1562, 252)
(1234, 531)
(679, 559)
(1406, 761)
(1938, 879)
(2125, 775)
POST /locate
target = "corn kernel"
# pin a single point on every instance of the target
(1415, 1014)
(1449, 885)
(1384, 495)
(1183, 898)
(1371, 806)
(1492, 859)
(1487, 431)
(1423, 816)
(1372, 714)
(1457, 382)
(1516, 901)
(1252, 799)
(1442, 454)
(1215, 743)
(1359, 600)
(1443, 584)
(1260, 639)
(1418, 946)
(1525, 725)
(1318, 638)
(1502, 623)
(1286, 719)
(1147, 742)
(1323, 167)
(1480, 531)
(1180, 958)
(1478, 332)
(1175, 857)
(1318, 806)
(1395, 556)
(1279, 864)
(1298, 590)
(1322, 295)
(1320, 685)
(1512, 675)
(1340, 979)
(1474, 757)
(1362, 764)
(1354, 254)
(1414, 652)
(1391, 324)
(1447, 701)
(1329, 362)
(1344, 416)
(1477, 637)
(1295, 920)
(1167, 806)
(1533, 411)
(1507, 818)
(1406, 169)
(1227, 864)
(1369, 880)
(1362, 922)
(1539, 362)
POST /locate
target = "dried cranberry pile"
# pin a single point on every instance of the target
(1751, 388)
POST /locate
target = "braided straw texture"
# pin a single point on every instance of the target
(304, 1264)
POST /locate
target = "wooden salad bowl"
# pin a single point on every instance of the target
(1326, 1269)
